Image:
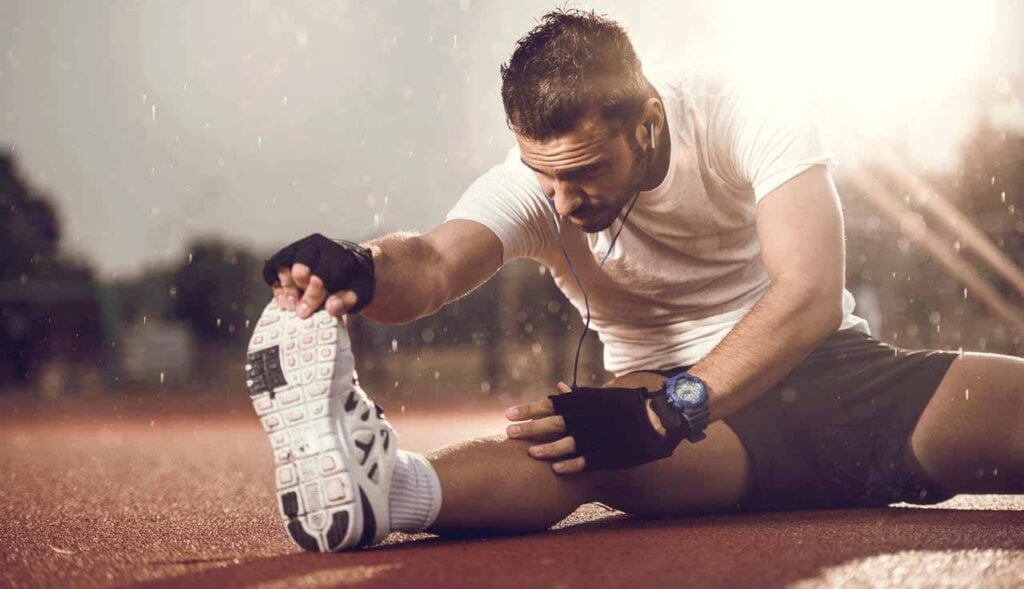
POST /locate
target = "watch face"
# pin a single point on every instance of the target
(689, 392)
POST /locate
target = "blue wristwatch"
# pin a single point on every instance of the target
(688, 395)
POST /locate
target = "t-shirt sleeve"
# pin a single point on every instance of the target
(763, 141)
(508, 201)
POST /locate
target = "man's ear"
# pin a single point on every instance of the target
(650, 124)
(643, 137)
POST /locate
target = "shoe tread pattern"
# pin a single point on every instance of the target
(323, 430)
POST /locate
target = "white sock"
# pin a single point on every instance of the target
(415, 496)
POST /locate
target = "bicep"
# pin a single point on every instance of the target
(800, 227)
(468, 253)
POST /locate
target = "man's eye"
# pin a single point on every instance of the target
(586, 174)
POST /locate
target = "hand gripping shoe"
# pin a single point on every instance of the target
(334, 451)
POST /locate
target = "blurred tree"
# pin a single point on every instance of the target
(218, 290)
(148, 295)
(48, 303)
(29, 230)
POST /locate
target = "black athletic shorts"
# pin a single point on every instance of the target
(834, 431)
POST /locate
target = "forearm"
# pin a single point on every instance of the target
(767, 344)
(409, 283)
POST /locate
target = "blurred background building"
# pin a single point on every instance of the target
(156, 152)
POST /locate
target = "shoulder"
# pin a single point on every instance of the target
(694, 86)
(508, 200)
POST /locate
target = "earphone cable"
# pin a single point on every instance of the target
(586, 300)
(611, 246)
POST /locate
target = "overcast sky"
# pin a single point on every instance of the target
(151, 123)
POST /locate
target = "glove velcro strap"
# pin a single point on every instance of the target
(611, 427)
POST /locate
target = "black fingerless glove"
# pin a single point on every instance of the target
(341, 265)
(612, 429)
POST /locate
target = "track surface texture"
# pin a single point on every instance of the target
(114, 492)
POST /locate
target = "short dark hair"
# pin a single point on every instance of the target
(571, 62)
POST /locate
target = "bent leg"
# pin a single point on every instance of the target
(492, 484)
(970, 438)
(712, 476)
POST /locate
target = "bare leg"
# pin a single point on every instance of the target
(712, 476)
(492, 484)
(970, 438)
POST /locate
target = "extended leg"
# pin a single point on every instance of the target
(492, 484)
(970, 438)
(342, 482)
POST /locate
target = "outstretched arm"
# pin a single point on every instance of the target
(419, 274)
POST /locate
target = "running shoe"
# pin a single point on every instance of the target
(334, 451)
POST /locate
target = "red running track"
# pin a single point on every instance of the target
(97, 495)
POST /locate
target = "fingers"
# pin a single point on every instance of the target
(301, 275)
(304, 292)
(287, 294)
(340, 302)
(542, 408)
(573, 465)
(544, 422)
(556, 449)
(312, 298)
(537, 427)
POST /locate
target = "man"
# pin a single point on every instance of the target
(699, 229)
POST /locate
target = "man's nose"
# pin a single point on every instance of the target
(567, 197)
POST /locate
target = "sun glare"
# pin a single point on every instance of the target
(874, 69)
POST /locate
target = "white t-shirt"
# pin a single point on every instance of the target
(687, 266)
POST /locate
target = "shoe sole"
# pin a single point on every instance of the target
(333, 449)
